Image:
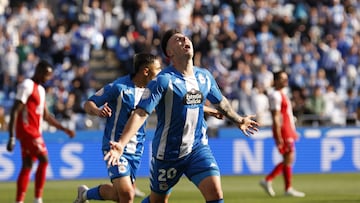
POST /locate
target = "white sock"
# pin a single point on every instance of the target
(84, 196)
(38, 200)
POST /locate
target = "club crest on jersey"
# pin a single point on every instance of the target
(146, 93)
(193, 97)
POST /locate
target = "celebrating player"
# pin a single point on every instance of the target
(180, 144)
(116, 101)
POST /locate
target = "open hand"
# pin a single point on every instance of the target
(113, 155)
(249, 126)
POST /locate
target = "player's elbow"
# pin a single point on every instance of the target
(141, 112)
(88, 107)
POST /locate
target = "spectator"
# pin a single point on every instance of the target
(299, 103)
(264, 77)
(146, 21)
(10, 64)
(77, 97)
(42, 15)
(334, 106)
(95, 15)
(351, 105)
(61, 44)
(299, 74)
(331, 59)
(260, 105)
(316, 105)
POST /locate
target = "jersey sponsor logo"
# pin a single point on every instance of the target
(193, 97)
(146, 93)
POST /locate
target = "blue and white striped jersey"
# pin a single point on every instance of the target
(122, 97)
(179, 105)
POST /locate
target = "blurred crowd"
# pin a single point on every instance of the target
(240, 41)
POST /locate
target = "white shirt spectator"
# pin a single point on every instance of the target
(11, 62)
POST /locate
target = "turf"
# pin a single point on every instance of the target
(319, 188)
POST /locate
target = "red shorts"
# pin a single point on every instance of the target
(31, 147)
(288, 146)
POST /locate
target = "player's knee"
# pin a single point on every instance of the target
(213, 193)
(216, 194)
(126, 195)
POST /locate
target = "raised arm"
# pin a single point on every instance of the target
(246, 124)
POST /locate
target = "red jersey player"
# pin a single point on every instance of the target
(27, 114)
(284, 134)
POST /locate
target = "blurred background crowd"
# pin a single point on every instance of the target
(240, 41)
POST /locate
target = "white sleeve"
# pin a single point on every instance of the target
(275, 101)
(24, 90)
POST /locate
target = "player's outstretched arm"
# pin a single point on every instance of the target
(136, 120)
(246, 124)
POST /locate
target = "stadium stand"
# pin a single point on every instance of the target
(92, 42)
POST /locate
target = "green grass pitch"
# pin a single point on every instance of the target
(319, 188)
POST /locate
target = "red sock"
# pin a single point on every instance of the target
(276, 171)
(40, 179)
(287, 176)
(22, 183)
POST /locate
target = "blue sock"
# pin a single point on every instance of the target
(146, 200)
(94, 193)
(216, 201)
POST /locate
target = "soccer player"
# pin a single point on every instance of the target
(27, 114)
(284, 134)
(116, 102)
(180, 145)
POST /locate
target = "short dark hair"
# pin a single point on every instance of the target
(165, 38)
(42, 67)
(277, 74)
(142, 59)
